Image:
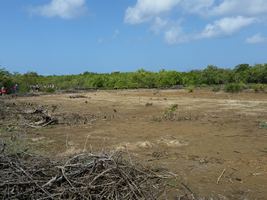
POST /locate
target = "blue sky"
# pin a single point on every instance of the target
(73, 36)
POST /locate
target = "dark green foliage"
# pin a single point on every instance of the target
(258, 74)
(25, 81)
(213, 75)
(50, 90)
(210, 76)
(6, 80)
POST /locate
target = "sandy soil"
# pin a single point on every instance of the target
(211, 132)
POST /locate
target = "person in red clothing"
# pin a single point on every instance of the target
(3, 91)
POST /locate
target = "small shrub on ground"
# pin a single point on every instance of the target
(263, 125)
(170, 113)
(234, 87)
(258, 87)
(191, 89)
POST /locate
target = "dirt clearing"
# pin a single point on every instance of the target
(216, 143)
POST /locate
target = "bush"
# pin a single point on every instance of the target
(234, 87)
(258, 87)
(191, 89)
(170, 112)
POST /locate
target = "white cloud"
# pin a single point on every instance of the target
(241, 7)
(222, 17)
(197, 6)
(175, 35)
(145, 10)
(223, 27)
(226, 26)
(159, 24)
(65, 9)
(256, 39)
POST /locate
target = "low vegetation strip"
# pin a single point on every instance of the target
(210, 76)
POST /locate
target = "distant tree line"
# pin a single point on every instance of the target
(210, 76)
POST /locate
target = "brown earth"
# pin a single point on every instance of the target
(207, 135)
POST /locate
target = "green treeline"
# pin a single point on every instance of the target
(211, 75)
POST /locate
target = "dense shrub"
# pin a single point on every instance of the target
(6, 80)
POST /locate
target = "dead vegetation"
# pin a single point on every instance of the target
(84, 176)
(77, 97)
(39, 116)
(148, 104)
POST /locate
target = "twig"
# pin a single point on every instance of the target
(219, 178)
(85, 143)
(46, 192)
(186, 187)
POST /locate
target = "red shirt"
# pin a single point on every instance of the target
(3, 91)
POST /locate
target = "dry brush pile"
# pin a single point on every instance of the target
(84, 176)
(30, 115)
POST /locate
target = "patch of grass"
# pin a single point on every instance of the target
(234, 87)
(191, 89)
(263, 125)
(216, 88)
(170, 113)
(258, 87)
(13, 143)
(50, 90)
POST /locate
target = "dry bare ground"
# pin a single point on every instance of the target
(214, 143)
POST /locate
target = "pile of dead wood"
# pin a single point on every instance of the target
(26, 114)
(38, 116)
(84, 176)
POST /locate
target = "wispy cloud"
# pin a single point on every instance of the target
(197, 6)
(175, 35)
(240, 7)
(159, 24)
(226, 26)
(145, 10)
(256, 39)
(65, 9)
(222, 18)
